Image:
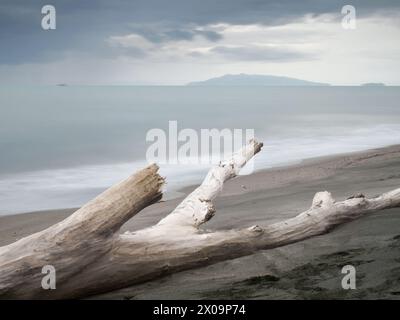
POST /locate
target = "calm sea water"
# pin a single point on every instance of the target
(60, 146)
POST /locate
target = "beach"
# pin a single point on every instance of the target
(305, 270)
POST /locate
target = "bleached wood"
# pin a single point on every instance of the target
(76, 242)
(197, 207)
(91, 257)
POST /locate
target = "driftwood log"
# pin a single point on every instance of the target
(90, 256)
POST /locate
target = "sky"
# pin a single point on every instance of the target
(159, 42)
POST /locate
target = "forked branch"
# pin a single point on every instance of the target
(91, 257)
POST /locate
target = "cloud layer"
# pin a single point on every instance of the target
(156, 41)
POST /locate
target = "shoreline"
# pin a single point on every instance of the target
(15, 226)
(323, 166)
(61, 198)
(304, 270)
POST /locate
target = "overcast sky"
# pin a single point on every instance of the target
(177, 41)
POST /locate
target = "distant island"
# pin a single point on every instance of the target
(255, 80)
(373, 84)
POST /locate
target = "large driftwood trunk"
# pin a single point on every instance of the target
(90, 256)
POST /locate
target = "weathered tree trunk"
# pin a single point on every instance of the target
(90, 256)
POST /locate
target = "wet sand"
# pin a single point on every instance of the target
(306, 270)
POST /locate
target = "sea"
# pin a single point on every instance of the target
(62, 145)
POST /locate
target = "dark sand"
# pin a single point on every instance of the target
(306, 270)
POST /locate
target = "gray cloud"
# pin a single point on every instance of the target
(83, 26)
(163, 33)
(260, 53)
(134, 52)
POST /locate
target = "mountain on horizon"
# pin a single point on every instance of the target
(255, 80)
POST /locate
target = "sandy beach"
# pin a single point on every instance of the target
(305, 270)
